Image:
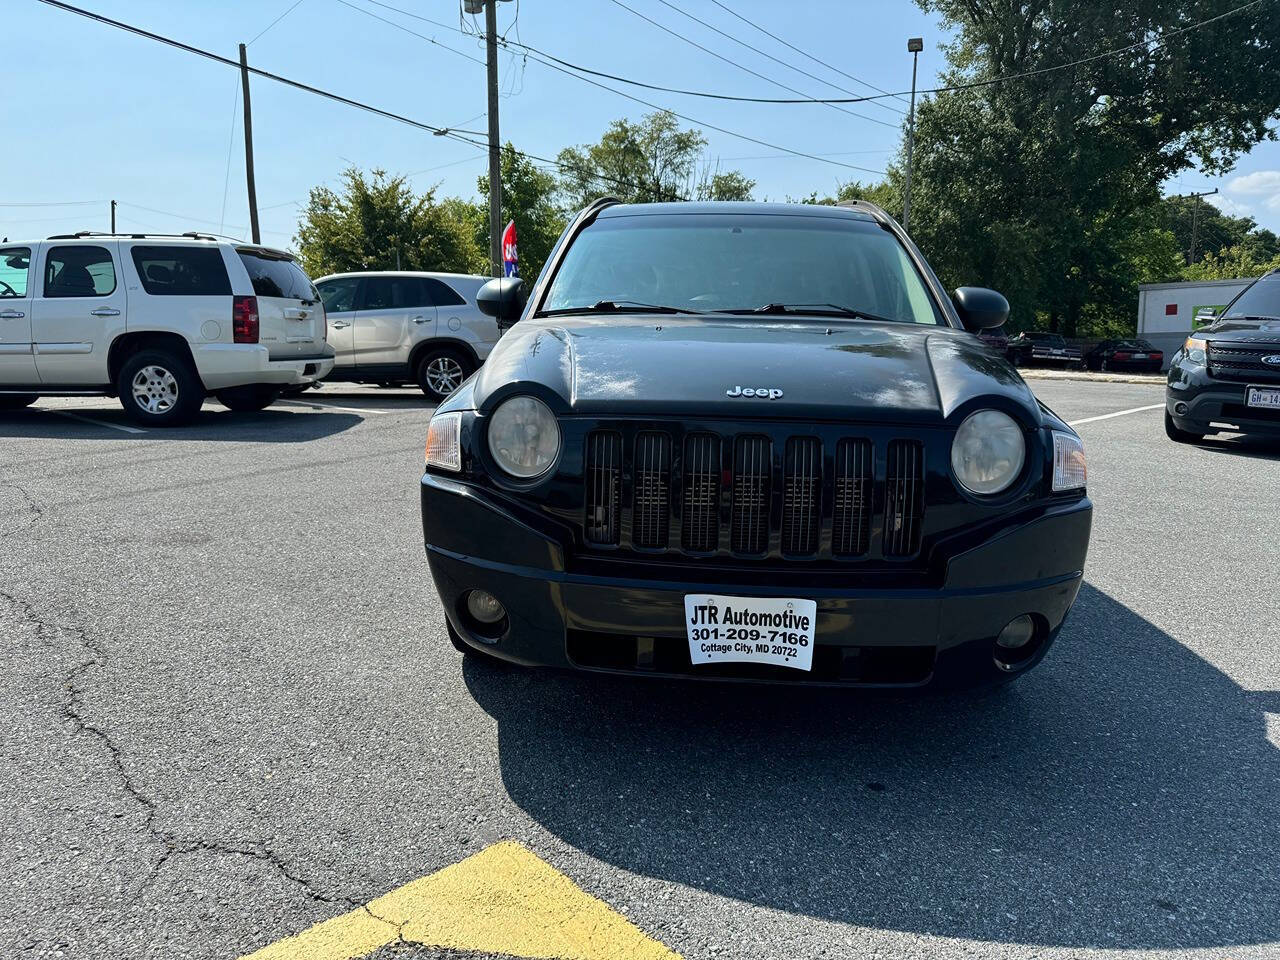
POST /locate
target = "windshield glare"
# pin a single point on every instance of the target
(1260, 300)
(708, 262)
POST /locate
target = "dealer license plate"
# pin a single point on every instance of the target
(750, 630)
(1258, 397)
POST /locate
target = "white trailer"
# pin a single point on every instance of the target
(1167, 311)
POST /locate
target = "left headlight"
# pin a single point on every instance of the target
(988, 452)
(524, 437)
(444, 447)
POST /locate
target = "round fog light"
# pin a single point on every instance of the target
(1180, 408)
(485, 607)
(1017, 633)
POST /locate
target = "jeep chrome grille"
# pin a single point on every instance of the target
(651, 500)
(752, 477)
(755, 495)
(851, 515)
(701, 530)
(802, 496)
(604, 487)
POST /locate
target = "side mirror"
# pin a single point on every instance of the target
(503, 299)
(1205, 317)
(980, 308)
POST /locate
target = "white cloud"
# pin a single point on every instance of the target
(1232, 208)
(1262, 183)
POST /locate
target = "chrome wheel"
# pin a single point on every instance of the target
(444, 375)
(155, 389)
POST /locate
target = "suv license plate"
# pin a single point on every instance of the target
(1266, 398)
(750, 630)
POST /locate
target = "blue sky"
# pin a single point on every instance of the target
(100, 114)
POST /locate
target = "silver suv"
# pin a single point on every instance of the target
(402, 327)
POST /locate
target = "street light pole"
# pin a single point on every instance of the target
(914, 46)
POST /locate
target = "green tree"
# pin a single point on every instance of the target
(1030, 184)
(653, 160)
(529, 197)
(1230, 263)
(1215, 230)
(375, 222)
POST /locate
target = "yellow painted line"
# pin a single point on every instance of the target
(503, 900)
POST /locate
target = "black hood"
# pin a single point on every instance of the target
(1245, 331)
(627, 365)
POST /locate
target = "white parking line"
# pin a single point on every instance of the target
(97, 423)
(334, 406)
(1118, 413)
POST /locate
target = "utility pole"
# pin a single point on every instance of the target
(1195, 219)
(248, 146)
(113, 216)
(495, 156)
(914, 46)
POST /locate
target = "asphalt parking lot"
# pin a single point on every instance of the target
(230, 713)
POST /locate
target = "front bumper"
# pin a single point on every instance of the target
(1198, 403)
(225, 365)
(561, 615)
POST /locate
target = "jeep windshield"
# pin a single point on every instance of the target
(743, 264)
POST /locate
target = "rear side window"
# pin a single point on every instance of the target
(339, 296)
(182, 271)
(15, 262)
(441, 294)
(390, 293)
(79, 272)
(277, 276)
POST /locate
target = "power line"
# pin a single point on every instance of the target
(769, 56)
(732, 63)
(263, 32)
(317, 91)
(620, 93)
(57, 203)
(790, 46)
(420, 36)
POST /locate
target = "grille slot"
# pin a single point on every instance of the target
(701, 528)
(802, 496)
(851, 516)
(604, 488)
(904, 498)
(651, 500)
(752, 473)
(1243, 362)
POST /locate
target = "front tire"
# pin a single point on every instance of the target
(16, 401)
(1177, 435)
(248, 399)
(158, 388)
(442, 371)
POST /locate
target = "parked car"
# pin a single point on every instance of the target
(996, 339)
(1035, 348)
(755, 442)
(159, 321)
(1227, 374)
(1124, 355)
(402, 327)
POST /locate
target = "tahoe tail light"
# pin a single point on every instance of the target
(244, 319)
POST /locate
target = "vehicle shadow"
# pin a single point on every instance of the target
(213, 424)
(1123, 795)
(1261, 448)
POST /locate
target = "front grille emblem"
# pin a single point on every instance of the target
(1272, 361)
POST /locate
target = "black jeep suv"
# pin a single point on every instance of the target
(1227, 374)
(752, 442)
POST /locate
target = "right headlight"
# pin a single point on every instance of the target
(524, 437)
(1069, 472)
(988, 452)
(1196, 349)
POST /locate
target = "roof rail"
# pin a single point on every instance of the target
(82, 234)
(866, 206)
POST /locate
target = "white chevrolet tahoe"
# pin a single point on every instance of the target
(158, 321)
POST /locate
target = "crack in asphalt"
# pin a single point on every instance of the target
(34, 510)
(71, 710)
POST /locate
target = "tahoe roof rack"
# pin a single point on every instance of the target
(82, 234)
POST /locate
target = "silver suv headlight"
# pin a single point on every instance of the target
(988, 452)
(524, 437)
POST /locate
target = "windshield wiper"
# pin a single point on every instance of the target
(619, 306)
(815, 309)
